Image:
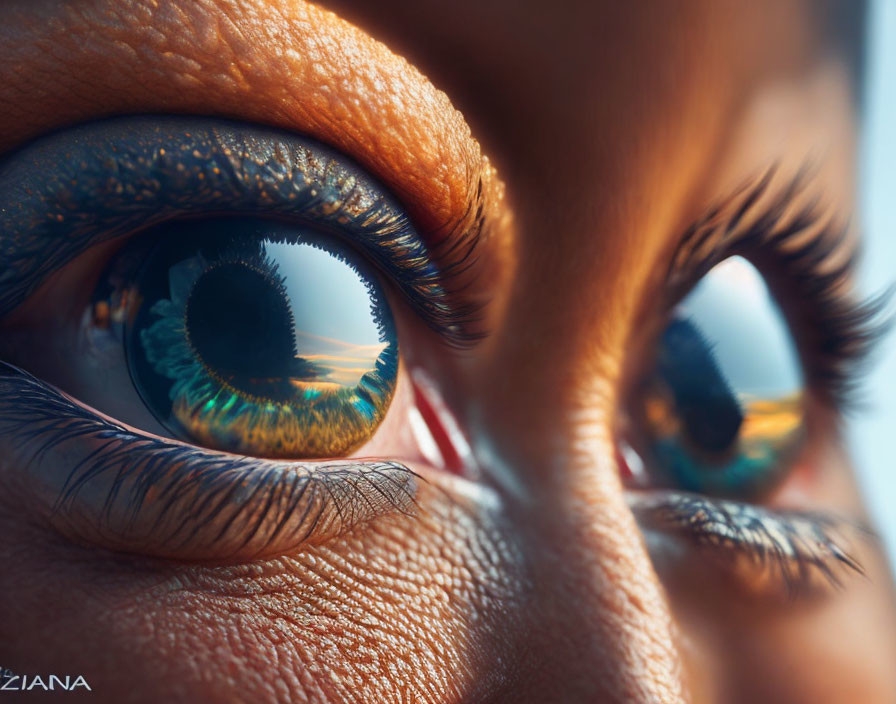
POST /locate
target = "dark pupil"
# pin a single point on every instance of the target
(241, 327)
(711, 412)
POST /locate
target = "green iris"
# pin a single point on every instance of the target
(262, 339)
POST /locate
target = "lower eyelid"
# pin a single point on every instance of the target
(768, 552)
(108, 486)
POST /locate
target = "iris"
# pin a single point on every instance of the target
(723, 410)
(261, 338)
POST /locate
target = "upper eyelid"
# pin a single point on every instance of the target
(755, 213)
(366, 102)
(105, 179)
(763, 208)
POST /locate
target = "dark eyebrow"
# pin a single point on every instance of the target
(67, 192)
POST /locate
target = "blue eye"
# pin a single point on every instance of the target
(723, 409)
(258, 338)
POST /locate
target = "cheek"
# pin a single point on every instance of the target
(414, 606)
(837, 647)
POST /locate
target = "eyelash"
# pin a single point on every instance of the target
(791, 548)
(283, 503)
(835, 332)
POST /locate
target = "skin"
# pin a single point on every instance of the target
(609, 128)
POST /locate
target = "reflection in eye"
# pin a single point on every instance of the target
(723, 410)
(257, 338)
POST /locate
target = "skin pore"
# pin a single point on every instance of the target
(609, 128)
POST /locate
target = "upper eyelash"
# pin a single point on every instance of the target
(836, 333)
(44, 190)
(794, 546)
(316, 501)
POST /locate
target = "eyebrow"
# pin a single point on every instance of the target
(299, 67)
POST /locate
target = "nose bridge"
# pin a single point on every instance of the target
(601, 629)
(589, 563)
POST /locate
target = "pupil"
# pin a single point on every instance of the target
(711, 412)
(241, 327)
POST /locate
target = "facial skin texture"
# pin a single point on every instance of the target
(612, 127)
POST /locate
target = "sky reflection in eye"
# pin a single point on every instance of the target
(342, 341)
(750, 339)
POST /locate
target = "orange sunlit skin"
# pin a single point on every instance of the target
(609, 128)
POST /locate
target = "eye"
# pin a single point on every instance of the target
(255, 337)
(722, 411)
(729, 424)
(249, 286)
(239, 289)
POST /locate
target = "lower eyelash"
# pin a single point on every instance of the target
(178, 501)
(791, 548)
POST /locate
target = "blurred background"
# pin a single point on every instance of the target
(872, 431)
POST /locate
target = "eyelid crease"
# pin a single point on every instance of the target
(766, 549)
(93, 183)
(805, 255)
(142, 494)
